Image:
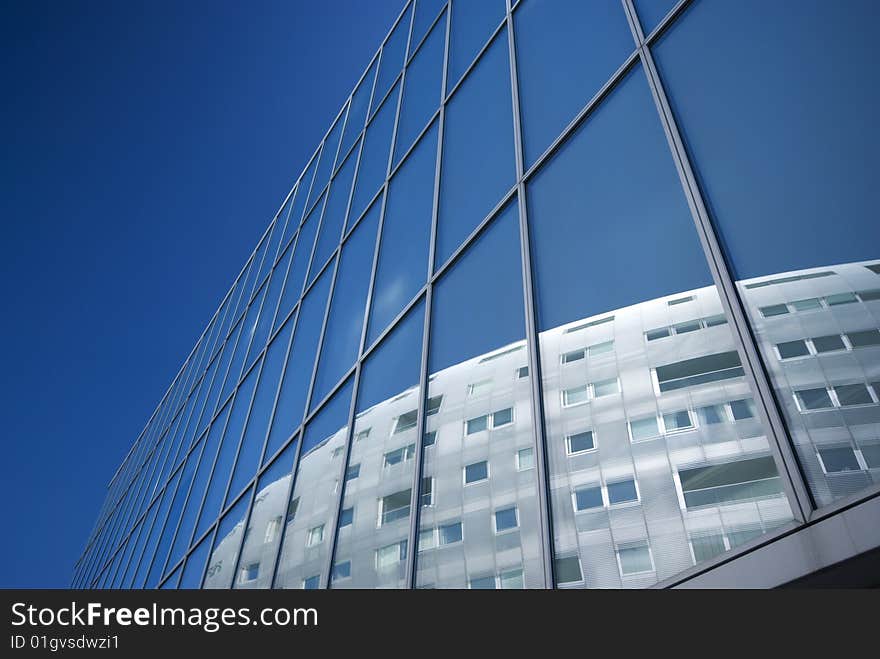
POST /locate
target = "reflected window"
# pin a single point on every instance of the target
(580, 442)
(474, 473)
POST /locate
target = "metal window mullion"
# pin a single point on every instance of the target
(383, 191)
(415, 506)
(534, 361)
(780, 446)
(298, 437)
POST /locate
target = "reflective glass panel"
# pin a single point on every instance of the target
(472, 25)
(261, 410)
(312, 508)
(406, 234)
(373, 167)
(334, 217)
(357, 112)
(393, 54)
(795, 155)
(388, 390)
(566, 50)
(290, 407)
(477, 146)
(612, 185)
(421, 90)
(472, 476)
(345, 322)
(227, 542)
(266, 524)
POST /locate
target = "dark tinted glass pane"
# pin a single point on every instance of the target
(393, 53)
(587, 498)
(789, 349)
(622, 492)
(566, 50)
(421, 90)
(472, 25)
(373, 167)
(477, 146)
(406, 233)
(342, 338)
(333, 218)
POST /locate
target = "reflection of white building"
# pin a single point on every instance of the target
(818, 332)
(657, 458)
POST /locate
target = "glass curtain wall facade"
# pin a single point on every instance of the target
(571, 294)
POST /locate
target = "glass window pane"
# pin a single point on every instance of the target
(475, 476)
(216, 493)
(300, 360)
(316, 489)
(757, 189)
(345, 323)
(651, 12)
(327, 159)
(828, 343)
(388, 388)
(634, 560)
(421, 90)
(267, 522)
(333, 218)
(392, 56)
(195, 566)
(426, 13)
(764, 192)
(357, 112)
(477, 146)
(472, 25)
(298, 209)
(406, 233)
(299, 264)
(790, 349)
(227, 542)
(622, 492)
(587, 498)
(207, 452)
(261, 410)
(373, 166)
(566, 50)
(612, 184)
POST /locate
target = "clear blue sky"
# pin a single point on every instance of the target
(146, 147)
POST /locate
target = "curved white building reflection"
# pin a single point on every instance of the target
(657, 457)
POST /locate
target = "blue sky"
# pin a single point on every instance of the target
(146, 147)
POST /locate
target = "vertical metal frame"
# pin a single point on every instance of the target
(756, 376)
(534, 354)
(415, 503)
